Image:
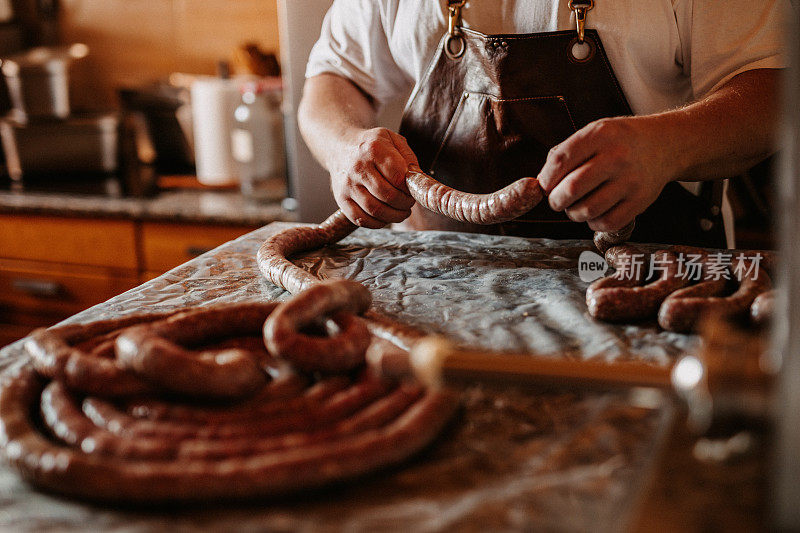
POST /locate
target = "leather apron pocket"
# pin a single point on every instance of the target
(491, 142)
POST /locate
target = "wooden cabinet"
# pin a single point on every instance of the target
(57, 290)
(69, 240)
(165, 246)
(53, 267)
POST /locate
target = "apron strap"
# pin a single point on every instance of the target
(454, 45)
(580, 8)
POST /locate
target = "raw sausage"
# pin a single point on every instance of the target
(506, 204)
(683, 309)
(155, 351)
(382, 433)
(293, 432)
(67, 353)
(604, 240)
(629, 303)
(341, 300)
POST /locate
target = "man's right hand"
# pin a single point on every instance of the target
(368, 179)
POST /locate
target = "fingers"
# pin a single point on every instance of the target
(403, 149)
(615, 218)
(575, 151)
(382, 167)
(606, 173)
(596, 204)
(563, 159)
(376, 208)
(357, 215)
(369, 185)
(578, 184)
(376, 184)
(386, 181)
(364, 210)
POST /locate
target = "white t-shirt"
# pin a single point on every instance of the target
(665, 53)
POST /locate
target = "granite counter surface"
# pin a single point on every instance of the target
(189, 205)
(516, 458)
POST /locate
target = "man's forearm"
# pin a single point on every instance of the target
(367, 164)
(725, 133)
(333, 110)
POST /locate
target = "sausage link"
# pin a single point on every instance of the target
(622, 256)
(506, 204)
(57, 353)
(603, 240)
(153, 351)
(618, 280)
(627, 274)
(259, 405)
(682, 310)
(100, 428)
(272, 256)
(342, 351)
(357, 446)
(619, 304)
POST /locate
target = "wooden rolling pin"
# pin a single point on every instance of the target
(729, 361)
(435, 360)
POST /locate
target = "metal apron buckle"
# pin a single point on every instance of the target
(454, 36)
(581, 50)
(580, 8)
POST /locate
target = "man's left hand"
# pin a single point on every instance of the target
(608, 172)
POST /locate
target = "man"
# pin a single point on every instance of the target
(609, 103)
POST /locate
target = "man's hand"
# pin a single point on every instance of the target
(368, 178)
(608, 172)
(614, 168)
(367, 165)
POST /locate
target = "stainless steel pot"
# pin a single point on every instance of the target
(38, 81)
(87, 144)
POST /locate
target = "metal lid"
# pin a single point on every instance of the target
(46, 59)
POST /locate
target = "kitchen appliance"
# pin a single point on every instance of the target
(38, 81)
(82, 144)
(162, 116)
(41, 136)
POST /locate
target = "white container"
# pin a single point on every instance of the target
(213, 103)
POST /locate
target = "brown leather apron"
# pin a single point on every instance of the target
(489, 108)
